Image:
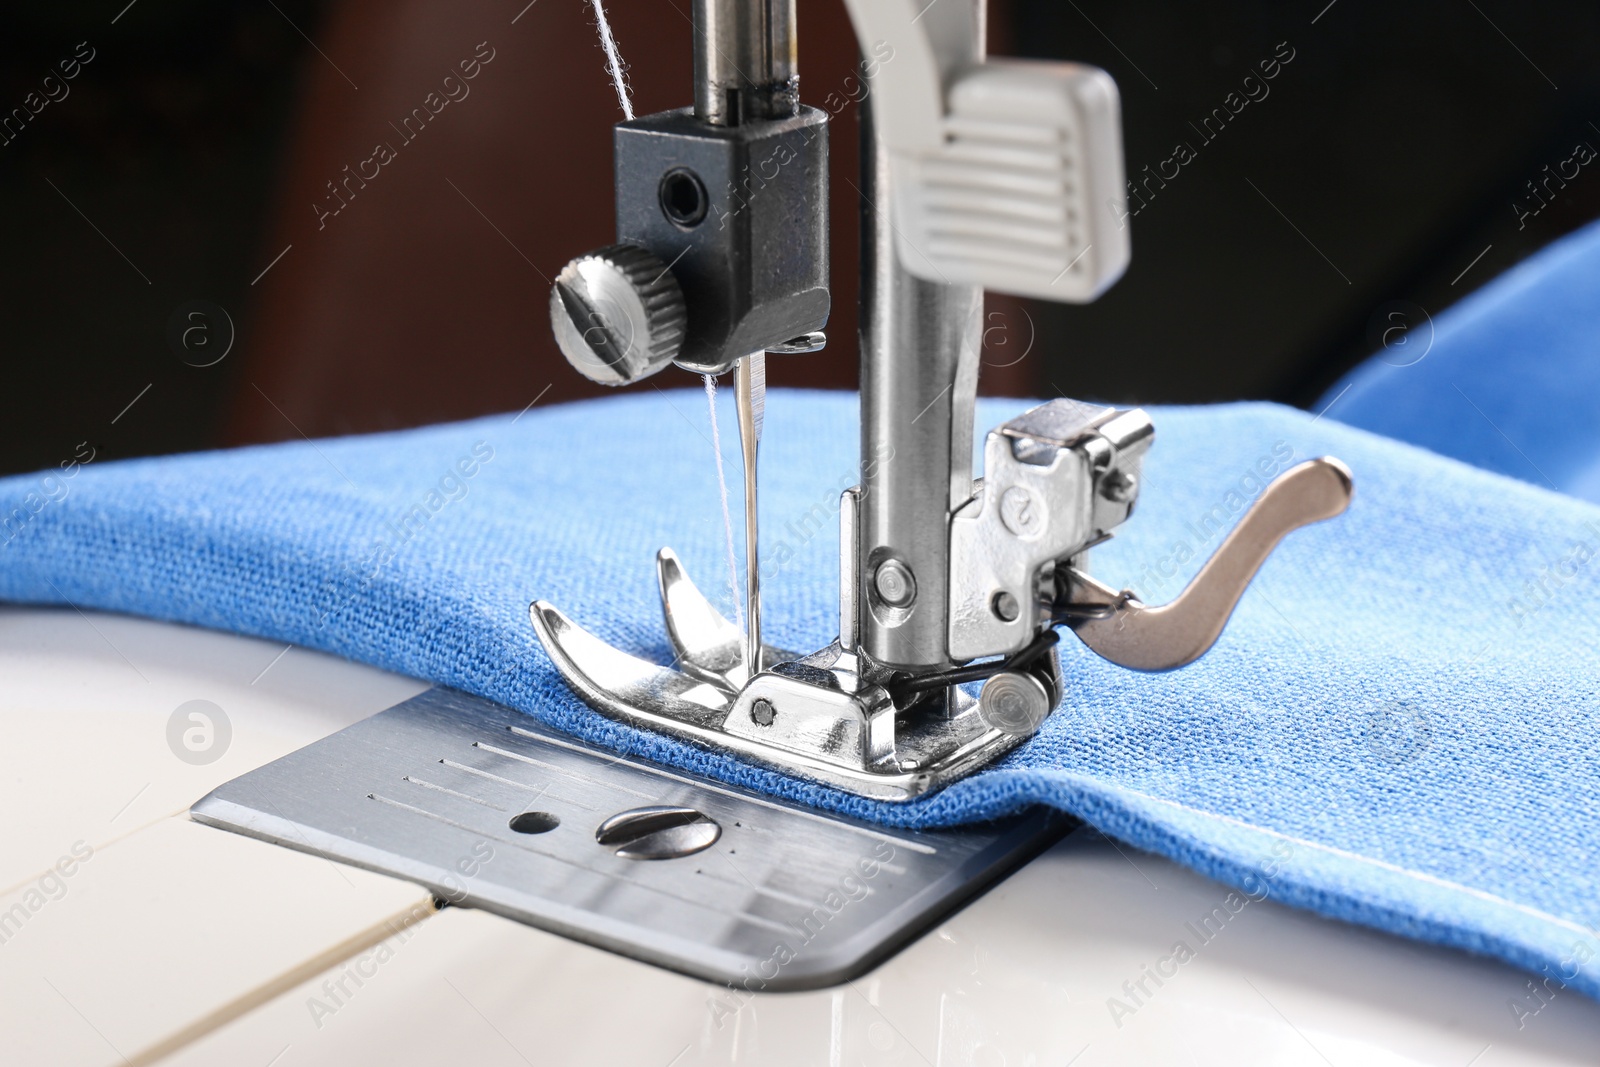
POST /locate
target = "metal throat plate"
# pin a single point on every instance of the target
(488, 809)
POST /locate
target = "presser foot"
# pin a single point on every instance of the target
(832, 717)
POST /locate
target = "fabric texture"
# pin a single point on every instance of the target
(1390, 731)
(1508, 379)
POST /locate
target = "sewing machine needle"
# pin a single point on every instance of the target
(750, 392)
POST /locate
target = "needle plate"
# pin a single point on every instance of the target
(488, 809)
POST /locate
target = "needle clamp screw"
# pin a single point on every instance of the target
(618, 314)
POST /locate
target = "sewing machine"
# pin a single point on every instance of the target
(977, 174)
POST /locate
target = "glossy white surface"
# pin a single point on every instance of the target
(171, 932)
(85, 708)
(1020, 977)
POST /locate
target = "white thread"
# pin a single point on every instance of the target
(613, 60)
(727, 515)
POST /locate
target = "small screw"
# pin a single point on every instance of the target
(895, 584)
(1014, 702)
(762, 713)
(1119, 487)
(1005, 606)
(658, 833)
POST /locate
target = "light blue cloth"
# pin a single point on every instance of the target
(1399, 727)
(1509, 379)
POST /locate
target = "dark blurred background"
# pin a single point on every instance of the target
(169, 282)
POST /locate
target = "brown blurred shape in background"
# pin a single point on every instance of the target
(187, 164)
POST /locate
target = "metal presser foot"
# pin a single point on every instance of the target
(838, 717)
(976, 173)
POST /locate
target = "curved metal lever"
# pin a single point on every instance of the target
(1141, 638)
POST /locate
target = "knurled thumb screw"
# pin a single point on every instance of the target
(618, 314)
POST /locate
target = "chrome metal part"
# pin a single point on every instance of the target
(945, 581)
(920, 343)
(746, 66)
(849, 569)
(709, 647)
(750, 392)
(618, 314)
(840, 717)
(895, 584)
(1042, 500)
(828, 716)
(660, 832)
(692, 875)
(799, 346)
(1159, 639)
(1016, 702)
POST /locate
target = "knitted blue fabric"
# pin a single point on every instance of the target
(1392, 731)
(1508, 379)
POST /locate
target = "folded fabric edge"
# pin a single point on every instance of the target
(1469, 926)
